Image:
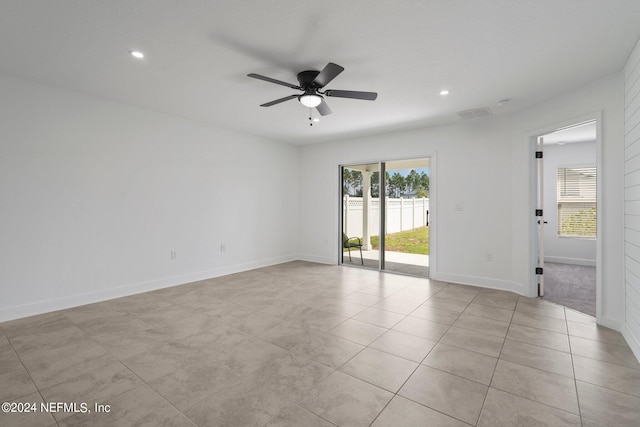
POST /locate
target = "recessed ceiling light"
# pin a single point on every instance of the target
(136, 54)
(444, 92)
(316, 120)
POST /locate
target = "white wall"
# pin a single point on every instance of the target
(485, 164)
(471, 165)
(562, 249)
(95, 196)
(631, 329)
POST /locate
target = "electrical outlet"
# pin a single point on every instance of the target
(174, 255)
(223, 247)
(489, 256)
(459, 207)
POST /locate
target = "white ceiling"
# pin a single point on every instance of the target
(198, 53)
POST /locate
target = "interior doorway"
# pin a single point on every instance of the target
(567, 228)
(385, 216)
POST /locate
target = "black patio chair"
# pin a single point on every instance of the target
(349, 242)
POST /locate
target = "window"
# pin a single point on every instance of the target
(577, 202)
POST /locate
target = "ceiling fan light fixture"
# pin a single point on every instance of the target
(310, 100)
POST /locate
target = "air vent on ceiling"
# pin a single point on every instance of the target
(476, 112)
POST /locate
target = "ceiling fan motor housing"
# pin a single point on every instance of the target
(306, 78)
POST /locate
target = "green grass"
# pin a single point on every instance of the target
(414, 241)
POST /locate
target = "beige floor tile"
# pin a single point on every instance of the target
(345, 400)
(321, 347)
(9, 360)
(52, 335)
(317, 319)
(379, 368)
(41, 324)
(499, 293)
(540, 322)
(464, 363)
(543, 387)
(400, 305)
(456, 306)
(376, 317)
(612, 353)
(140, 406)
(425, 312)
(97, 326)
(406, 413)
(187, 385)
(452, 395)
(482, 324)
(216, 341)
(15, 384)
(128, 343)
(609, 407)
(162, 360)
(535, 307)
(358, 332)
(253, 348)
(63, 360)
(595, 332)
(539, 337)
(498, 301)
(35, 418)
(534, 356)
(426, 329)
(576, 316)
(458, 294)
(503, 409)
(404, 345)
(96, 386)
(362, 298)
(489, 345)
(291, 375)
(291, 415)
(489, 312)
(251, 356)
(342, 308)
(590, 423)
(608, 375)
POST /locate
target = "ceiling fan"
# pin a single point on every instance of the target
(311, 82)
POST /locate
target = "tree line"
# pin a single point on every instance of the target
(413, 185)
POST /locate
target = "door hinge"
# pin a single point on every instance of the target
(538, 212)
(539, 270)
(538, 154)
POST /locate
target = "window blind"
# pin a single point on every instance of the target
(577, 202)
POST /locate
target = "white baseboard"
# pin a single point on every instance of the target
(317, 259)
(610, 323)
(484, 282)
(40, 307)
(572, 261)
(632, 340)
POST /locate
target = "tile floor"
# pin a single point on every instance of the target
(302, 344)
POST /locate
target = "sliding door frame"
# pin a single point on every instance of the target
(433, 215)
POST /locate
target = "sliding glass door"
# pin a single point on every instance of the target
(385, 216)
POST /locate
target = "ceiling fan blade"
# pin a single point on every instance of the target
(329, 73)
(369, 96)
(323, 109)
(278, 101)
(269, 79)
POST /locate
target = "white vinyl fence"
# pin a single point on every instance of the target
(402, 214)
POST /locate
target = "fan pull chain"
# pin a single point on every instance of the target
(310, 119)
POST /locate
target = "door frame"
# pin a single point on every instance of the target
(433, 210)
(533, 230)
